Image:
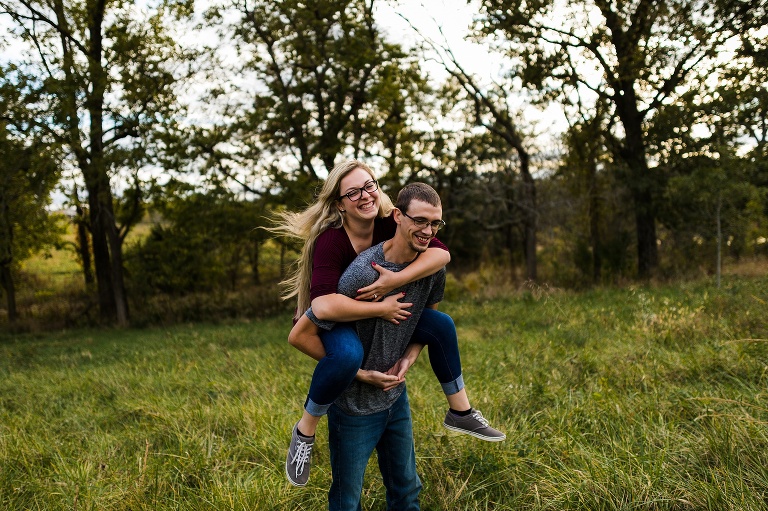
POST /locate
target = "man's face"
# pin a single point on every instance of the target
(418, 238)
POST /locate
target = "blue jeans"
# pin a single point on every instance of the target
(352, 439)
(344, 356)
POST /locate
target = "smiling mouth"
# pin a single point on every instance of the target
(367, 206)
(423, 239)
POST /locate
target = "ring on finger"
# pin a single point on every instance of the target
(375, 296)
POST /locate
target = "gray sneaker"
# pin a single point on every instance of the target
(299, 458)
(473, 424)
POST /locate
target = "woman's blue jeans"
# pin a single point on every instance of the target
(352, 439)
(344, 356)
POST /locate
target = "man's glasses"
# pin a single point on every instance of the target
(370, 187)
(423, 222)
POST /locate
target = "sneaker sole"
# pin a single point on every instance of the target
(476, 435)
(298, 485)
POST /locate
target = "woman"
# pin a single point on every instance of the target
(350, 215)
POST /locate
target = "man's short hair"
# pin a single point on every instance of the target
(416, 191)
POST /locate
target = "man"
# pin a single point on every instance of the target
(373, 412)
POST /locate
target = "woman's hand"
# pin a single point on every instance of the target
(394, 310)
(386, 283)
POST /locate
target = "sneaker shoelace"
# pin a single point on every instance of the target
(303, 452)
(481, 419)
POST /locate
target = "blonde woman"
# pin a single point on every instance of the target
(350, 215)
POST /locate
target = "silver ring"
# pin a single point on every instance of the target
(375, 296)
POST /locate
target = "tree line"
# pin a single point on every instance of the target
(210, 118)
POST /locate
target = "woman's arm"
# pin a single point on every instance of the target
(429, 262)
(338, 307)
(305, 337)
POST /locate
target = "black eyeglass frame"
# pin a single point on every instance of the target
(421, 223)
(359, 191)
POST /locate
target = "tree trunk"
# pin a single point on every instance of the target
(254, 259)
(6, 257)
(84, 246)
(108, 258)
(6, 280)
(719, 239)
(530, 215)
(593, 211)
(642, 186)
(101, 259)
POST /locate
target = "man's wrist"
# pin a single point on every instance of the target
(413, 351)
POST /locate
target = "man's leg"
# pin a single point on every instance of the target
(397, 459)
(351, 440)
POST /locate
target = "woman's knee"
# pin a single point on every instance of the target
(346, 350)
(435, 327)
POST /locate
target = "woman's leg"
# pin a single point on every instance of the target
(335, 371)
(437, 331)
(333, 374)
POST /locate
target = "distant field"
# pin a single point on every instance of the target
(645, 398)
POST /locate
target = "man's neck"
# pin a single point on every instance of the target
(395, 251)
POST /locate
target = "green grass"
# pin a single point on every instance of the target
(648, 398)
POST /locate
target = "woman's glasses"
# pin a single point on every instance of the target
(370, 187)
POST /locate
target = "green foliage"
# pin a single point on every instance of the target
(107, 75)
(329, 86)
(624, 61)
(204, 242)
(649, 397)
(28, 174)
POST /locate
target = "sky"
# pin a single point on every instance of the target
(449, 21)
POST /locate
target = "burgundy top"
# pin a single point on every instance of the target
(334, 252)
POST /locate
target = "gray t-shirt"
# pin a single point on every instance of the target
(383, 341)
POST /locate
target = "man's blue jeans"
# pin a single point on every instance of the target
(352, 439)
(344, 356)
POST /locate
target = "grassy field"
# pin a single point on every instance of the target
(648, 398)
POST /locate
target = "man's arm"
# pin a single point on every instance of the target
(412, 352)
(304, 337)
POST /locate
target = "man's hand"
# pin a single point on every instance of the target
(400, 368)
(378, 379)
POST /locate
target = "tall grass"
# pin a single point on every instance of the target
(645, 398)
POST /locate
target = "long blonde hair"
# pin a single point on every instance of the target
(308, 224)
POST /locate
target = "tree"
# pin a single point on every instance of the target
(328, 84)
(205, 243)
(634, 56)
(28, 174)
(489, 108)
(584, 159)
(711, 143)
(108, 70)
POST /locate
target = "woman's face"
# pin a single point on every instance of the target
(366, 207)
